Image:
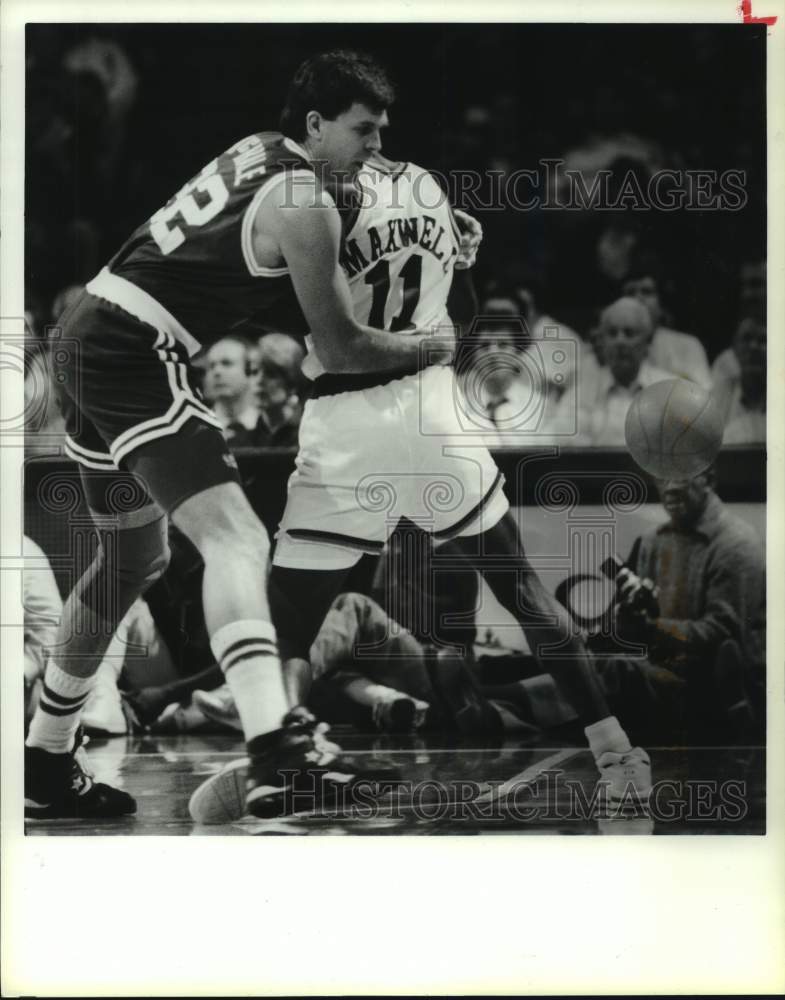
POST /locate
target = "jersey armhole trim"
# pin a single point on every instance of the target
(256, 269)
(454, 221)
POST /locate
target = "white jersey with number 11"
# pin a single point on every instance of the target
(398, 252)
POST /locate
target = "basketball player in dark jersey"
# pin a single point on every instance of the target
(255, 234)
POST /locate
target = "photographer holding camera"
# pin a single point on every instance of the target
(693, 593)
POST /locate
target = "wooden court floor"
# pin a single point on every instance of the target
(447, 788)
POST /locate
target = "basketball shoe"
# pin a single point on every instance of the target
(295, 769)
(627, 775)
(61, 786)
(399, 715)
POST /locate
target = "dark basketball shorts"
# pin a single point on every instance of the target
(131, 405)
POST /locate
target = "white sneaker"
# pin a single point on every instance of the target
(627, 775)
(218, 706)
(221, 799)
(103, 712)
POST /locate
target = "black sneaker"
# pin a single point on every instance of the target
(401, 715)
(292, 770)
(61, 786)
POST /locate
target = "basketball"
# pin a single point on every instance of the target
(674, 429)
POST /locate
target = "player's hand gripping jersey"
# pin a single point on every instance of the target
(399, 250)
(195, 256)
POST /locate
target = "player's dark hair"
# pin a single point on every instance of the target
(330, 83)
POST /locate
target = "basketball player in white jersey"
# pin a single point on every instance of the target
(377, 445)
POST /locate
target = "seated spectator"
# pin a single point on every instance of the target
(502, 394)
(744, 399)
(602, 400)
(726, 371)
(506, 391)
(230, 386)
(525, 299)
(704, 670)
(279, 391)
(675, 352)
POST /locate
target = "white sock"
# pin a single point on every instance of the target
(248, 655)
(59, 710)
(607, 735)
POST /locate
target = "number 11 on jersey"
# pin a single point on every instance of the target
(379, 278)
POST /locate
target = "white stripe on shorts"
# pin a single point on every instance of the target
(142, 305)
(88, 458)
(181, 410)
(185, 404)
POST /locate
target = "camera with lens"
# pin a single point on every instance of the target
(642, 601)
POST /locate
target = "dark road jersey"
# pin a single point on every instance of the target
(195, 255)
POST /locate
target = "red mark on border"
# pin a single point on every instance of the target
(745, 9)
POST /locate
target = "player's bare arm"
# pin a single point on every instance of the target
(462, 302)
(303, 228)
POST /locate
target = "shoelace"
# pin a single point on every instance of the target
(322, 750)
(326, 750)
(82, 774)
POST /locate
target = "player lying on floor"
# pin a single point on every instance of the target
(422, 673)
(374, 673)
(404, 685)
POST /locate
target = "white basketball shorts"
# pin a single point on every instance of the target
(369, 457)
